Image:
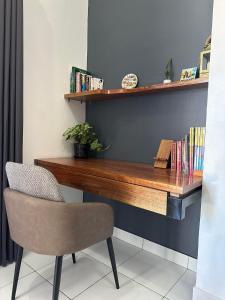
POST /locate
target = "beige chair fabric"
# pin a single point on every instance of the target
(34, 181)
(56, 228)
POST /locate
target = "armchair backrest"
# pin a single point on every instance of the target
(34, 181)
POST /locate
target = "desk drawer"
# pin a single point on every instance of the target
(135, 195)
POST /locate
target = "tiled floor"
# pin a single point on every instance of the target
(142, 275)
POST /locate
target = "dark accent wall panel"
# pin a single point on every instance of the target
(140, 36)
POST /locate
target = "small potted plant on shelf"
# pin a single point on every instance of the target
(84, 139)
(169, 72)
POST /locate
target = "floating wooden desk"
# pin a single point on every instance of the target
(157, 190)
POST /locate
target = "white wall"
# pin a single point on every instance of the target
(55, 38)
(211, 260)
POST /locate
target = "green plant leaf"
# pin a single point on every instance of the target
(84, 134)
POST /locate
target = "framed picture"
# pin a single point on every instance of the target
(189, 74)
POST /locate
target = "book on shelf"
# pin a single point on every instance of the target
(187, 155)
(174, 156)
(82, 80)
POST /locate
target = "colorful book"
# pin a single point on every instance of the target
(179, 156)
(174, 156)
(83, 82)
(72, 83)
(76, 70)
(195, 148)
(202, 148)
(78, 82)
(186, 154)
(191, 150)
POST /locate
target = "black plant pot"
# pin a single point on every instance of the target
(81, 151)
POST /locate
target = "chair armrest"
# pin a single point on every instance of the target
(56, 228)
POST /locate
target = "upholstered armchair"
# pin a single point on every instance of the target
(40, 220)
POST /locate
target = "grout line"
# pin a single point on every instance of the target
(36, 271)
(48, 264)
(132, 256)
(176, 283)
(92, 285)
(20, 277)
(118, 265)
(52, 285)
(148, 288)
(119, 274)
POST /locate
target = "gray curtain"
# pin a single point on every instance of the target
(11, 106)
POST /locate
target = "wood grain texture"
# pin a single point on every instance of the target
(143, 175)
(163, 154)
(118, 93)
(138, 196)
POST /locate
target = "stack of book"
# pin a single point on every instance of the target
(187, 155)
(82, 80)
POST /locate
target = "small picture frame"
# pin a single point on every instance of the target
(189, 74)
(205, 63)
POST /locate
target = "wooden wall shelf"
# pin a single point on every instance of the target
(118, 93)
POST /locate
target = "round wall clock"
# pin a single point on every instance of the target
(130, 81)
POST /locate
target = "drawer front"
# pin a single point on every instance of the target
(138, 196)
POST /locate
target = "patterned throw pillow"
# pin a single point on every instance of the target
(34, 181)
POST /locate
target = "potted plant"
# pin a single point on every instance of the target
(84, 138)
(169, 72)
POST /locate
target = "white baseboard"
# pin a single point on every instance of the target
(166, 253)
(199, 294)
(128, 237)
(192, 264)
(171, 255)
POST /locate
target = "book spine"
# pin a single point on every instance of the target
(83, 82)
(183, 155)
(191, 152)
(186, 155)
(200, 149)
(78, 82)
(88, 77)
(195, 147)
(174, 156)
(72, 83)
(179, 156)
(203, 146)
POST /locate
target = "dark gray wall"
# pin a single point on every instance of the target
(140, 36)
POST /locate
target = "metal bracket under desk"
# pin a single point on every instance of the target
(176, 207)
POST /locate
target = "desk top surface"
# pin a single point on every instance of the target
(133, 173)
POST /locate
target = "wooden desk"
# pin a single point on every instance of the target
(157, 190)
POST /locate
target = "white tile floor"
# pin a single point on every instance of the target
(142, 275)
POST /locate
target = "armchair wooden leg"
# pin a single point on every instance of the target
(74, 258)
(57, 277)
(113, 261)
(17, 271)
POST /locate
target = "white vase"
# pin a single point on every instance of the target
(167, 81)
